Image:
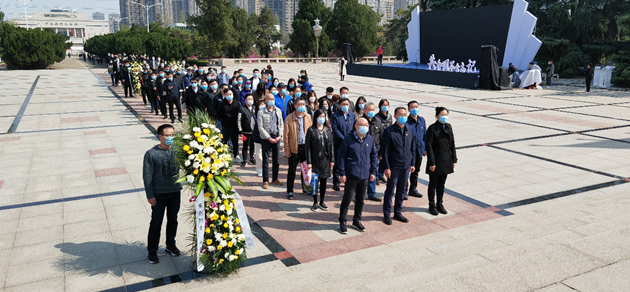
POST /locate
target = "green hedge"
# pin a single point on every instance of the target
(31, 49)
(202, 63)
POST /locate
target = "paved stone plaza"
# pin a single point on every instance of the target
(538, 201)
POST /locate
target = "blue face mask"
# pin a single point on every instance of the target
(271, 103)
(240, 82)
(179, 72)
(255, 74)
(153, 77)
(363, 130)
(298, 94)
(344, 108)
(414, 112)
(170, 78)
(223, 71)
(169, 141)
(240, 74)
(200, 70)
(213, 87)
(402, 120)
(284, 91)
(384, 108)
(248, 86)
(321, 120)
(361, 105)
(204, 87)
(301, 109)
(161, 74)
(371, 114)
(291, 85)
(275, 92)
(275, 84)
(443, 119)
(194, 85)
(229, 97)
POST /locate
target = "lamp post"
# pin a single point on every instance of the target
(317, 29)
(146, 7)
(24, 2)
(118, 23)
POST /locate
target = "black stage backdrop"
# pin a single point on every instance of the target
(459, 34)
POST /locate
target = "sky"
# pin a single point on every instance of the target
(14, 8)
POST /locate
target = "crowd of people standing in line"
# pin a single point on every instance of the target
(357, 144)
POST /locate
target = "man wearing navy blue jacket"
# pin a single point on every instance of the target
(358, 161)
(418, 125)
(342, 123)
(398, 150)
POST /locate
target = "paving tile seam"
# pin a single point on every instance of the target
(70, 199)
(18, 117)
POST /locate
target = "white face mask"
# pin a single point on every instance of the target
(312, 99)
(344, 96)
(329, 96)
(250, 102)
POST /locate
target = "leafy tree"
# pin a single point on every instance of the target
(266, 32)
(396, 33)
(1, 16)
(214, 24)
(243, 26)
(303, 38)
(356, 24)
(31, 49)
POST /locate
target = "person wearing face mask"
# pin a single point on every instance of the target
(110, 70)
(246, 123)
(209, 93)
(282, 99)
(146, 85)
(311, 104)
(153, 94)
(268, 81)
(193, 96)
(291, 86)
(218, 100)
(357, 159)
(441, 158)
(242, 74)
(343, 93)
(342, 123)
(162, 91)
(418, 125)
(320, 155)
(295, 127)
(223, 77)
(259, 106)
(237, 87)
(200, 73)
(289, 100)
(327, 108)
(271, 129)
(302, 78)
(172, 88)
(329, 95)
(376, 131)
(255, 79)
(227, 112)
(360, 106)
(126, 79)
(386, 119)
(247, 90)
(163, 194)
(398, 149)
(260, 92)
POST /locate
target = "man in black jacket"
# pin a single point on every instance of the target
(126, 79)
(227, 112)
(549, 72)
(207, 98)
(193, 96)
(376, 131)
(146, 85)
(172, 88)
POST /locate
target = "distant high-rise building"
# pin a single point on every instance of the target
(113, 22)
(329, 3)
(290, 8)
(381, 7)
(277, 9)
(254, 7)
(98, 16)
(403, 4)
(133, 13)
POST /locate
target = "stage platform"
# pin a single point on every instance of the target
(411, 72)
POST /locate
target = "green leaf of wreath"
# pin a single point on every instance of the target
(212, 186)
(224, 182)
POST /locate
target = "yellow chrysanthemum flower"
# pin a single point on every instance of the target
(236, 220)
(214, 156)
(197, 134)
(225, 235)
(186, 147)
(236, 257)
(225, 225)
(219, 247)
(202, 179)
(210, 176)
(206, 131)
(221, 136)
(224, 172)
(207, 229)
(199, 140)
(221, 260)
(208, 241)
(211, 225)
(207, 195)
(189, 152)
(195, 172)
(237, 252)
(238, 229)
(230, 244)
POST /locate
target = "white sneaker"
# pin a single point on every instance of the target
(237, 159)
(259, 172)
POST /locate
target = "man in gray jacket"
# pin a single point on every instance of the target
(158, 172)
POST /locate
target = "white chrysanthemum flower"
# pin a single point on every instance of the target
(187, 137)
(207, 160)
(196, 129)
(240, 251)
(191, 157)
(211, 248)
(222, 207)
(204, 125)
(190, 179)
(196, 165)
(231, 235)
(193, 144)
(207, 150)
(230, 225)
(204, 137)
(229, 212)
(223, 243)
(207, 169)
(187, 163)
(231, 257)
(199, 147)
(217, 236)
(241, 237)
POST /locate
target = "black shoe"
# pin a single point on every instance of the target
(290, 196)
(342, 228)
(401, 218)
(382, 178)
(358, 226)
(314, 208)
(378, 181)
(405, 198)
(440, 208)
(164, 118)
(336, 187)
(151, 111)
(415, 193)
(323, 207)
(375, 199)
(243, 164)
(180, 120)
(153, 258)
(432, 210)
(387, 220)
(173, 251)
(172, 121)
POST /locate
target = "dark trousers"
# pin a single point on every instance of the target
(231, 134)
(162, 104)
(413, 177)
(549, 78)
(294, 160)
(335, 170)
(357, 188)
(128, 90)
(275, 151)
(155, 104)
(248, 147)
(396, 181)
(174, 102)
(113, 79)
(588, 84)
(117, 78)
(164, 202)
(436, 186)
(145, 94)
(322, 190)
(380, 60)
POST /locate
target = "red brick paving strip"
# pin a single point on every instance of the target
(9, 138)
(283, 255)
(102, 151)
(110, 171)
(94, 132)
(80, 120)
(1, 183)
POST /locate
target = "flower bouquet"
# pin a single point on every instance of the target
(136, 76)
(205, 163)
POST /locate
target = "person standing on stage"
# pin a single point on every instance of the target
(418, 125)
(379, 51)
(399, 157)
(441, 158)
(357, 161)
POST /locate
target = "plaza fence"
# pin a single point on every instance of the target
(232, 62)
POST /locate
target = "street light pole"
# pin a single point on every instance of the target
(118, 22)
(146, 7)
(24, 2)
(317, 29)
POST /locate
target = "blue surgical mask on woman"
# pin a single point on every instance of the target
(229, 97)
(153, 77)
(384, 108)
(371, 114)
(321, 120)
(402, 119)
(414, 111)
(363, 130)
(361, 105)
(275, 84)
(301, 109)
(204, 87)
(271, 103)
(298, 94)
(247, 86)
(169, 141)
(443, 119)
(344, 108)
(291, 85)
